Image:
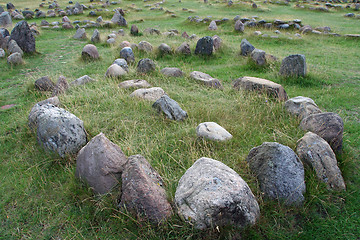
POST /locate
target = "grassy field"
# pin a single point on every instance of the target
(40, 197)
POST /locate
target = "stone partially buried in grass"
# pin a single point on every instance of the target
(44, 84)
(210, 194)
(170, 108)
(205, 46)
(150, 94)
(212, 131)
(138, 83)
(128, 54)
(115, 71)
(172, 72)
(61, 86)
(15, 59)
(145, 65)
(80, 34)
(82, 80)
(206, 79)
(90, 52)
(293, 65)
(301, 106)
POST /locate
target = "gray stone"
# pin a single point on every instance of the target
(246, 47)
(184, 49)
(15, 59)
(305, 29)
(44, 84)
(172, 72)
(205, 46)
(327, 125)
(2, 53)
(239, 26)
(118, 19)
(217, 41)
(212, 131)
(137, 83)
(80, 34)
(67, 25)
(149, 94)
(5, 20)
(206, 79)
(115, 71)
(90, 52)
(164, 49)
(44, 23)
(111, 41)
(317, 153)
(279, 171)
(145, 46)
(82, 80)
(212, 26)
(13, 47)
(58, 130)
(134, 30)
(24, 37)
(145, 65)
(258, 56)
(35, 110)
(261, 85)
(122, 63)
(210, 194)
(95, 38)
(100, 164)
(170, 108)
(142, 191)
(301, 106)
(128, 54)
(60, 87)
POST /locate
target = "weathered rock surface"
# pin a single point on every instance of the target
(172, 72)
(5, 20)
(246, 47)
(100, 164)
(259, 57)
(13, 47)
(184, 49)
(317, 153)
(301, 106)
(60, 87)
(164, 49)
(212, 26)
(118, 19)
(44, 84)
(145, 46)
(205, 46)
(2, 53)
(115, 71)
(24, 37)
(212, 131)
(137, 83)
(95, 38)
(279, 171)
(261, 85)
(143, 192)
(80, 34)
(150, 94)
(170, 108)
(211, 194)
(122, 63)
(15, 59)
(134, 30)
(128, 54)
(217, 41)
(206, 79)
(90, 52)
(145, 65)
(293, 65)
(328, 126)
(82, 80)
(239, 26)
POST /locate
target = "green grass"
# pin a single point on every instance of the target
(40, 197)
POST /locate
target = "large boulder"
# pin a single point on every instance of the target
(206, 79)
(145, 65)
(246, 47)
(137, 83)
(170, 108)
(293, 65)
(24, 37)
(150, 94)
(327, 125)
(279, 171)
(205, 46)
(261, 85)
(44, 84)
(211, 194)
(57, 130)
(301, 106)
(143, 192)
(36, 109)
(90, 52)
(128, 54)
(212, 131)
(100, 164)
(118, 19)
(317, 153)
(5, 20)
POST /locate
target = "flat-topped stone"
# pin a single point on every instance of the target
(150, 94)
(137, 83)
(206, 79)
(212, 131)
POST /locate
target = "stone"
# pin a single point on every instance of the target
(145, 65)
(258, 56)
(115, 71)
(118, 19)
(13, 47)
(212, 26)
(128, 54)
(206, 79)
(125, 44)
(172, 72)
(2, 53)
(44, 84)
(246, 47)
(95, 38)
(184, 49)
(145, 46)
(239, 26)
(205, 46)
(279, 171)
(15, 59)
(317, 153)
(66, 19)
(35, 110)
(82, 80)
(170, 108)
(111, 41)
(4, 32)
(293, 65)
(134, 30)
(212, 131)
(149, 94)
(122, 63)
(90, 52)
(152, 31)
(328, 126)
(217, 41)
(210, 194)
(305, 29)
(80, 34)
(301, 106)
(143, 192)
(67, 25)
(261, 85)
(137, 83)
(164, 49)
(100, 164)
(23, 36)
(57, 130)
(5, 20)
(60, 87)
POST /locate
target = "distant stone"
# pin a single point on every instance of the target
(95, 38)
(61, 86)
(23, 36)
(118, 19)
(254, 5)
(258, 56)
(10, 6)
(172, 72)
(145, 65)
(152, 31)
(184, 49)
(145, 46)
(44, 23)
(211, 194)
(100, 164)
(212, 26)
(122, 63)
(328, 126)
(150, 94)
(80, 34)
(99, 19)
(134, 30)
(5, 20)
(44, 84)
(246, 47)
(301, 106)
(305, 29)
(82, 80)
(142, 191)
(115, 71)
(205, 46)
(170, 108)
(138, 83)
(261, 85)
(212, 131)
(239, 26)
(111, 41)
(13, 47)
(67, 25)
(15, 59)
(279, 171)
(206, 79)
(128, 54)
(164, 49)
(317, 153)
(217, 41)
(293, 65)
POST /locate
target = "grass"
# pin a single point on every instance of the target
(40, 197)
